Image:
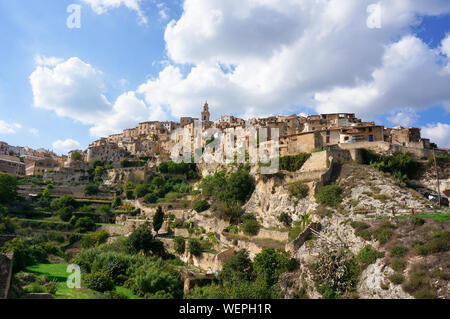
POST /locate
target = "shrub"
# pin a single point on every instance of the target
(285, 219)
(140, 191)
(329, 195)
(402, 166)
(63, 201)
(98, 281)
(399, 251)
(298, 190)
(179, 245)
(25, 253)
(293, 163)
(361, 229)
(91, 189)
(150, 198)
(201, 206)
(335, 273)
(368, 256)
(398, 264)
(141, 238)
(85, 224)
(417, 221)
(383, 232)
(65, 213)
(8, 188)
(424, 294)
(397, 278)
(250, 225)
(116, 202)
(194, 247)
(271, 263)
(154, 279)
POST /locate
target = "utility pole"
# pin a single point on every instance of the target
(437, 176)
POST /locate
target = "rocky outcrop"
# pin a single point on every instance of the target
(374, 283)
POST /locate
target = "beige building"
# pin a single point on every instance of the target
(41, 166)
(11, 165)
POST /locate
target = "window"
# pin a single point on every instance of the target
(370, 129)
(328, 139)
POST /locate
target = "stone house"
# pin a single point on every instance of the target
(11, 165)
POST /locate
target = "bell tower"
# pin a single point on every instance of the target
(205, 113)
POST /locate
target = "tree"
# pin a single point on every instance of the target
(142, 239)
(237, 269)
(329, 195)
(158, 219)
(65, 213)
(84, 224)
(200, 206)
(91, 189)
(140, 190)
(116, 202)
(8, 188)
(150, 198)
(194, 247)
(179, 245)
(98, 281)
(76, 156)
(271, 263)
(250, 225)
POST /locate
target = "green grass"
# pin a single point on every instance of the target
(57, 272)
(440, 217)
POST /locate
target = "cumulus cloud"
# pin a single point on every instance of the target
(259, 57)
(103, 6)
(406, 117)
(9, 128)
(65, 146)
(47, 61)
(72, 88)
(438, 133)
(282, 55)
(75, 89)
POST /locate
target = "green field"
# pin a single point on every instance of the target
(57, 272)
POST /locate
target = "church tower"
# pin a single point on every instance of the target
(205, 113)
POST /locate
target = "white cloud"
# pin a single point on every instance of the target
(65, 146)
(34, 131)
(74, 89)
(406, 117)
(9, 128)
(282, 55)
(47, 61)
(438, 133)
(258, 57)
(103, 6)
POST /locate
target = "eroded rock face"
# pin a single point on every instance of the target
(368, 191)
(374, 283)
(271, 198)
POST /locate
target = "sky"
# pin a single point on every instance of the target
(64, 84)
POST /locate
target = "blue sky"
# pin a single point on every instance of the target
(247, 59)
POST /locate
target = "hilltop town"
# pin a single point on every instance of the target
(153, 139)
(348, 194)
